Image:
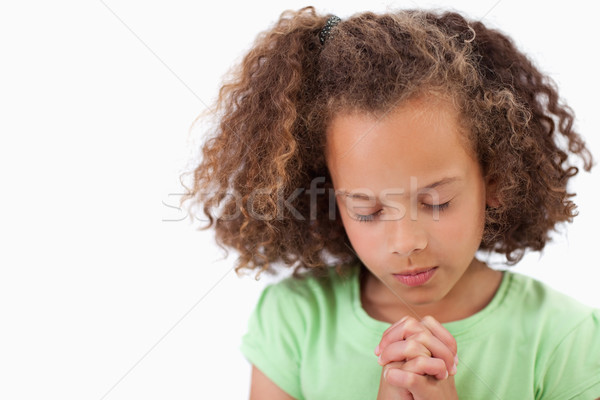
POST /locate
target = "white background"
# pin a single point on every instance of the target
(100, 296)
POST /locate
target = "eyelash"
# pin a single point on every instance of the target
(371, 217)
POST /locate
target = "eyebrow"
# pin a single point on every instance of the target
(363, 196)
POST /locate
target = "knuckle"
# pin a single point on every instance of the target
(454, 345)
(421, 362)
(408, 380)
(421, 336)
(411, 347)
(412, 324)
(439, 363)
(382, 345)
(442, 364)
(383, 355)
(416, 348)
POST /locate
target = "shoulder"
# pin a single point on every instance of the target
(544, 304)
(565, 333)
(545, 313)
(296, 301)
(572, 371)
(326, 279)
(311, 288)
(288, 316)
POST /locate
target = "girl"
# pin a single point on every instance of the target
(376, 155)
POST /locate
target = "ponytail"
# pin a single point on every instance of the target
(260, 145)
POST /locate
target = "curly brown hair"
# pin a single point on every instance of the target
(273, 112)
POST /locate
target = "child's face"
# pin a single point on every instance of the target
(417, 143)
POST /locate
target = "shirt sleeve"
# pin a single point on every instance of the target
(272, 342)
(573, 371)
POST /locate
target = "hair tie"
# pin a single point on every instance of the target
(331, 22)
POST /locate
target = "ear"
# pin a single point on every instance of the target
(491, 198)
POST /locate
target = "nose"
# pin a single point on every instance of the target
(405, 236)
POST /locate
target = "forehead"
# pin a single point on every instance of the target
(420, 189)
(421, 138)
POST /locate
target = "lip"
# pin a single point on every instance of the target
(415, 271)
(416, 277)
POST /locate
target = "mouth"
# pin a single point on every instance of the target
(416, 271)
(416, 277)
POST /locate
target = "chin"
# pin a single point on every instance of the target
(429, 297)
(420, 299)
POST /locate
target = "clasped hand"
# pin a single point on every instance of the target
(419, 360)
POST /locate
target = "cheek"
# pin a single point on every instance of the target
(363, 237)
(465, 226)
(360, 236)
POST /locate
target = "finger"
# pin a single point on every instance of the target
(411, 330)
(441, 333)
(403, 351)
(399, 331)
(405, 379)
(427, 366)
(397, 393)
(396, 324)
(436, 347)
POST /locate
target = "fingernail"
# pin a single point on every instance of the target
(453, 372)
(379, 359)
(377, 350)
(445, 377)
(456, 359)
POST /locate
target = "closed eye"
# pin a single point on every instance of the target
(367, 218)
(439, 207)
(432, 207)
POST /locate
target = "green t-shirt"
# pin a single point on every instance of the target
(314, 340)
